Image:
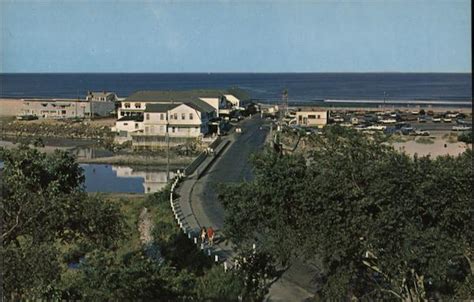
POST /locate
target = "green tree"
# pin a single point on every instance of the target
(384, 225)
(219, 285)
(43, 206)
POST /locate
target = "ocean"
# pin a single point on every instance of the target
(302, 87)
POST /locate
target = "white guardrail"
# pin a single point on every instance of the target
(193, 235)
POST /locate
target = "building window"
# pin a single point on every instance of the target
(127, 105)
(173, 129)
(125, 124)
(319, 116)
(196, 129)
(63, 111)
(147, 116)
(311, 116)
(136, 125)
(175, 116)
(183, 116)
(190, 116)
(138, 105)
(162, 116)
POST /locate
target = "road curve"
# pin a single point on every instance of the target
(233, 166)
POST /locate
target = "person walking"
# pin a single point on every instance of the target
(203, 234)
(210, 235)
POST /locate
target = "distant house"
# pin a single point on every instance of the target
(69, 108)
(221, 100)
(188, 119)
(311, 117)
(55, 108)
(101, 96)
(173, 121)
(130, 124)
(172, 115)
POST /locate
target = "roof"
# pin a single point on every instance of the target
(167, 96)
(200, 105)
(54, 100)
(231, 98)
(100, 93)
(136, 118)
(161, 107)
(311, 109)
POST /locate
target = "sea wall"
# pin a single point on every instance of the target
(10, 107)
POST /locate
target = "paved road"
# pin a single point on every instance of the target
(232, 166)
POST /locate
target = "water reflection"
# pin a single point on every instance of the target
(124, 179)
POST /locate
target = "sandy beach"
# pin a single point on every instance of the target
(440, 145)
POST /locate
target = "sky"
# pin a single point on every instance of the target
(235, 36)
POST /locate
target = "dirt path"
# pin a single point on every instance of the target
(145, 227)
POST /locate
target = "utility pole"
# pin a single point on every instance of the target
(285, 102)
(167, 150)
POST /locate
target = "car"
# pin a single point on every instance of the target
(421, 120)
(420, 133)
(447, 120)
(388, 121)
(238, 130)
(26, 117)
(407, 130)
(436, 120)
(461, 128)
(377, 127)
(234, 119)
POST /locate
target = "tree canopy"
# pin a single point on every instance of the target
(60, 243)
(43, 205)
(383, 224)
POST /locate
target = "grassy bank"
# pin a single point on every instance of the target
(57, 128)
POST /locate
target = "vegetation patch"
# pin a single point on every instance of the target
(425, 140)
(60, 243)
(384, 225)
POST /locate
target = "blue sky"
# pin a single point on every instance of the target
(235, 36)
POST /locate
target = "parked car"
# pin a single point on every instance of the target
(461, 128)
(447, 120)
(420, 133)
(388, 121)
(436, 120)
(407, 130)
(26, 117)
(238, 130)
(376, 127)
(421, 120)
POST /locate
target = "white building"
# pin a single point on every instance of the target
(205, 101)
(65, 108)
(311, 117)
(101, 96)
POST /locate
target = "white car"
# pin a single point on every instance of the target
(376, 127)
(461, 128)
(436, 120)
(388, 121)
(447, 120)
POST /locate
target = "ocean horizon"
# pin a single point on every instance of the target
(303, 87)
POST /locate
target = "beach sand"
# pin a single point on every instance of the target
(440, 146)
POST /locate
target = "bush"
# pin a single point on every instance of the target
(465, 137)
